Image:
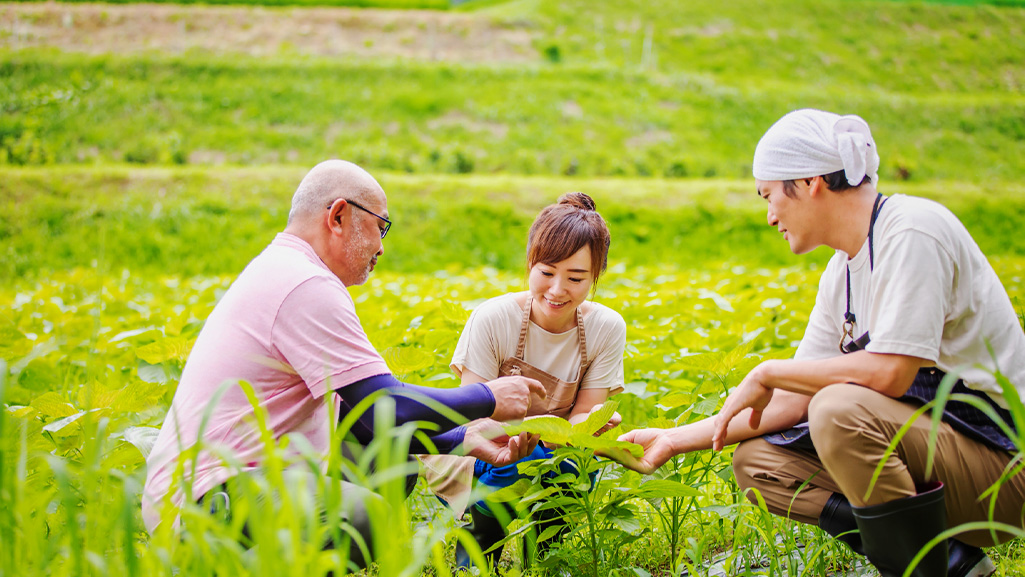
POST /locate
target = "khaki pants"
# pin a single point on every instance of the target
(852, 426)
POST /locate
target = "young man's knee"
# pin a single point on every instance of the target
(838, 414)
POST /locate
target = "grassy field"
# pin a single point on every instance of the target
(147, 153)
(941, 85)
(193, 221)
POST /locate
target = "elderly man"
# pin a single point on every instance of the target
(907, 297)
(287, 330)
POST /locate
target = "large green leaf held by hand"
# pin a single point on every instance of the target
(559, 431)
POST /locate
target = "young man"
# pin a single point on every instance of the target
(288, 328)
(907, 297)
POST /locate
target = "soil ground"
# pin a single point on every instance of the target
(262, 31)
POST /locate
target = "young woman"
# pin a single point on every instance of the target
(550, 332)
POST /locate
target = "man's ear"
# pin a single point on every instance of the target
(816, 184)
(334, 216)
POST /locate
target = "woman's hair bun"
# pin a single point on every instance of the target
(577, 199)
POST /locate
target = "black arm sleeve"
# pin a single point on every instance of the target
(471, 401)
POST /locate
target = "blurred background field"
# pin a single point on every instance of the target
(149, 151)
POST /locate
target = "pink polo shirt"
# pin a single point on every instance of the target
(288, 327)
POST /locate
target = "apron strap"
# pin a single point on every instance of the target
(523, 328)
(583, 340)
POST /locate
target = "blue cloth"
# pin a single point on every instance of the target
(963, 417)
(504, 476)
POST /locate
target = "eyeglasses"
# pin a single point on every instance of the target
(387, 223)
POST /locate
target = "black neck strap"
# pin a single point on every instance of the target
(848, 316)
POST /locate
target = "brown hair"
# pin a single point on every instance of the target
(835, 181)
(564, 228)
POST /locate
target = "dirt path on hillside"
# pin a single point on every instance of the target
(261, 31)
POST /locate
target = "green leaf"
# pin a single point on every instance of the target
(59, 425)
(13, 343)
(608, 447)
(549, 532)
(660, 422)
(153, 373)
(513, 492)
(624, 517)
(730, 512)
(52, 405)
(663, 489)
(405, 360)
(169, 349)
(142, 438)
(541, 494)
(454, 313)
(552, 429)
(597, 419)
(438, 339)
(682, 384)
(707, 406)
(136, 397)
(673, 400)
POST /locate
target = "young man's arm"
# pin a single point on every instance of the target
(773, 397)
(888, 374)
(785, 410)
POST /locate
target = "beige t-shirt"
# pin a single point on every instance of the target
(491, 334)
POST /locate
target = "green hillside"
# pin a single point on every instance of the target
(942, 86)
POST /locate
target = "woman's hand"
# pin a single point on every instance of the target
(589, 401)
(614, 421)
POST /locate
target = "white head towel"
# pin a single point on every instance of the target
(807, 143)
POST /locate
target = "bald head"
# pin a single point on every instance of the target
(329, 181)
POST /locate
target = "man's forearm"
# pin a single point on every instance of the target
(444, 443)
(890, 375)
(446, 408)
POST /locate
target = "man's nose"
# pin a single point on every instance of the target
(771, 217)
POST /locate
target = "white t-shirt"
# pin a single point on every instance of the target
(932, 294)
(493, 331)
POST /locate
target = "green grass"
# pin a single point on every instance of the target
(445, 118)
(95, 356)
(941, 86)
(213, 221)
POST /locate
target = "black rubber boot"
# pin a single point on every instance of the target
(967, 561)
(892, 533)
(486, 531)
(837, 519)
